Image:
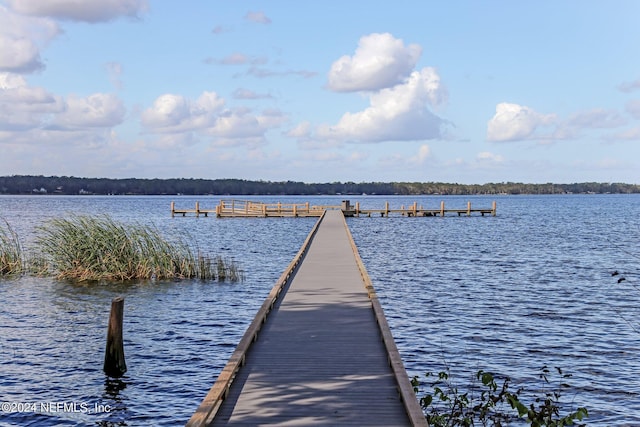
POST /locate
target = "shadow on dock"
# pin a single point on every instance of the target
(319, 351)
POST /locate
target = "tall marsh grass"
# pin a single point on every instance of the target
(11, 253)
(84, 248)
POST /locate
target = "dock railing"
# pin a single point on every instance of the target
(256, 209)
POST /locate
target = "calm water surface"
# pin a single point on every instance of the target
(509, 294)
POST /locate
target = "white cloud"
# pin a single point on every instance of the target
(513, 122)
(424, 153)
(24, 107)
(11, 81)
(19, 55)
(486, 156)
(167, 111)
(32, 115)
(380, 61)
(81, 10)
(238, 124)
(400, 113)
(100, 110)
(302, 130)
(21, 38)
(174, 114)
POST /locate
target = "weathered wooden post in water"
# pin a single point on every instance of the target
(114, 363)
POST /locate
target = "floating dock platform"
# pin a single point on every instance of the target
(250, 209)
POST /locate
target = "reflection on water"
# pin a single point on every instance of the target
(113, 404)
(509, 294)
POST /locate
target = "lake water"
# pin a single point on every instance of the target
(509, 294)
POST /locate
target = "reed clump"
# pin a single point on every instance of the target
(11, 253)
(85, 248)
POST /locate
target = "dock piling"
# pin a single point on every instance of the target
(114, 362)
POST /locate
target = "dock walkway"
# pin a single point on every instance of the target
(324, 355)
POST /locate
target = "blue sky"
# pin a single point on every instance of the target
(461, 91)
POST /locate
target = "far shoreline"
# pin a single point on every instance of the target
(54, 185)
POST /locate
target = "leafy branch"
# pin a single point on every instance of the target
(491, 403)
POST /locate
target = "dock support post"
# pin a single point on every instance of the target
(386, 209)
(442, 208)
(415, 209)
(493, 208)
(358, 209)
(114, 363)
(468, 208)
(173, 209)
(197, 209)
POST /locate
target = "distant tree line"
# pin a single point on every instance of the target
(28, 184)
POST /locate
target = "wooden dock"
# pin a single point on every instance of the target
(319, 351)
(249, 209)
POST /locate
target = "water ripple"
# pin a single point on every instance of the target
(509, 294)
(516, 292)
